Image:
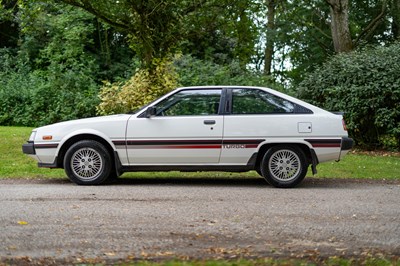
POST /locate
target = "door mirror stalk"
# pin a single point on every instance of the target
(151, 111)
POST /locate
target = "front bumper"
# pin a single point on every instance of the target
(347, 144)
(29, 148)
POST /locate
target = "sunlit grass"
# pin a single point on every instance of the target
(362, 166)
(15, 164)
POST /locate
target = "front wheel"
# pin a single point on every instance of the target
(284, 166)
(88, 162)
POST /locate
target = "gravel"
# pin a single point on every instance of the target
(196, 218)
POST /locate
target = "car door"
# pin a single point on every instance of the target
(186, 129)
(255, 116)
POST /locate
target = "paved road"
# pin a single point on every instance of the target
(197, 218)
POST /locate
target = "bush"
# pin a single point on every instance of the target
(35, 98)
(365, 84)
(145, 86)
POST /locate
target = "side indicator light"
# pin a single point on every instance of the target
(47, 137)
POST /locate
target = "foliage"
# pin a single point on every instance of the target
(51, 78)
(31, 98)
(60, 36)
(145, 86)
(365, 85)
(157, 29)
(9, 30)
(154, 27)
(223, 31)
(195, 72)
(303, 32)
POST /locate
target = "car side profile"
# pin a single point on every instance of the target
(209, 128)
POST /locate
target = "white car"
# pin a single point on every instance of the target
(212, 128)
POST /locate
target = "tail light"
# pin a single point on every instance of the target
(344, 125)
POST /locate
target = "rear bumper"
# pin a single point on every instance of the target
(29, 148)
(347, 144)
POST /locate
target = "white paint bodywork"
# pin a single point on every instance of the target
(270, 128)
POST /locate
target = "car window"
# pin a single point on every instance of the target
(190, 102)
(247, 101)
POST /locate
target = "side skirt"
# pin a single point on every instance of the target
(186, 168)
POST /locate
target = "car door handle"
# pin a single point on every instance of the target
(209, 122)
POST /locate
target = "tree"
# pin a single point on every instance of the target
(307, 33)
(395, 11)
(9, 32)
(54, 68)
(341, 37)
(269, 47)
(154, 27)
(222, 31)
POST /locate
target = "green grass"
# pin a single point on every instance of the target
(15, 164)
(356, 165)
(332, 261)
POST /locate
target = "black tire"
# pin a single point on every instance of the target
(88, 162)
(284, 166)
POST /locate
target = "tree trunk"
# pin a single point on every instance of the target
(269, 47)
(340, 25)
(396, 19)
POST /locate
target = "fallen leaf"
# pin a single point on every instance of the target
(22, 223)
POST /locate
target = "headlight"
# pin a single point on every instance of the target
(32, 136)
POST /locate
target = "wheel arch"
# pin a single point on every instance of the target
(308, 151)
(83, 136)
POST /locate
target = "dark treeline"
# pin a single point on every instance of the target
(70, 59)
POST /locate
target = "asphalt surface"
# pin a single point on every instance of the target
(196, 218)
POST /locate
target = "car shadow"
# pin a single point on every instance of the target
(192, 181)
(307, 183)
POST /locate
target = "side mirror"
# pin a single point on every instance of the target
(151, 111)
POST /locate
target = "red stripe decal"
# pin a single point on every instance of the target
(189, 144)
(251, 146)
(326, 145)
(193, 147)
(211, 146)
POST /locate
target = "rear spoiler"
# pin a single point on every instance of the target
(338, 113)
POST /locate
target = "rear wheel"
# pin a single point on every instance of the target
(88, 162)
(284, 166)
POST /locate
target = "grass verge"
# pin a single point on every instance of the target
(15, 164)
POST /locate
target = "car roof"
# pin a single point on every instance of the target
(221, 87)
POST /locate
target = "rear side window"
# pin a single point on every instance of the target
(245, 101)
